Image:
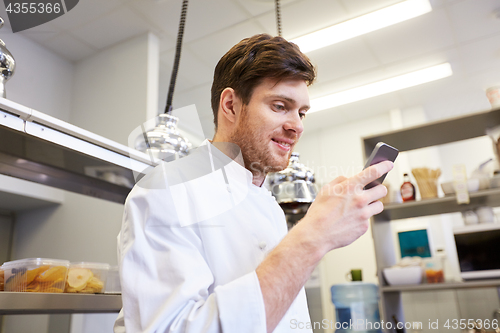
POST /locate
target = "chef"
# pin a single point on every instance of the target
(203, 246)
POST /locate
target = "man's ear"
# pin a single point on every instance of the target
(230, 105)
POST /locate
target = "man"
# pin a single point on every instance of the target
(209, 250)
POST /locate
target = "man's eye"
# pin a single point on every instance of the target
(302, 115)
(279, 107)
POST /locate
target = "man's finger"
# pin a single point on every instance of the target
(376, 193)
(374, 172)
(375, 208)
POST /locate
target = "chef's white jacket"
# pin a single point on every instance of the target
(193, 233)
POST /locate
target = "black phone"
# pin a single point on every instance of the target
(382, 152)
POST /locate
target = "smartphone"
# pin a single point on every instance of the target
(382, 152)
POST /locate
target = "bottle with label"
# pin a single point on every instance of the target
(407, 189)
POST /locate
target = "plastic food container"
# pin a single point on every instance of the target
(434, 271)
(35, 275)
(86, 278)
(113, 285)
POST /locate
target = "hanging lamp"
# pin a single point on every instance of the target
(294, 188)
(7, 64)
(165, 142)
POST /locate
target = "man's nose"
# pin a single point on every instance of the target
(294, 123)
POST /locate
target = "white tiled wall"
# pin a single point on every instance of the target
(446, 305)
(478, 303)
(430, 306)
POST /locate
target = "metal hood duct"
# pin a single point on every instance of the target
(294, 187)
(45, 150)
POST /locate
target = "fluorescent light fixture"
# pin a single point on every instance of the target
(381, 87)
(363, 24)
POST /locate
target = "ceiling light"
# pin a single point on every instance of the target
(363, 24)
(381, 87)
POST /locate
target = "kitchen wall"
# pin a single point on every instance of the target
(333, 152)
(109, 94)
(115, 90)
(6, 226)
(337, 150)
(430, 306)
(42, 81)
(126, 74)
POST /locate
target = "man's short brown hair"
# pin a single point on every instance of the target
(262, 56)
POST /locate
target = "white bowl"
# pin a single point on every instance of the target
(403, 275)
(448, 188)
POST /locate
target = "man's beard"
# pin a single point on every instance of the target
(255, 148)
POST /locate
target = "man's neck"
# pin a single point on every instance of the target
(227, 148)
(258, 181)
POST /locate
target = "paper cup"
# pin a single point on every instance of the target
(493, 95)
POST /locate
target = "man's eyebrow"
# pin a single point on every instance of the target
(288, 99)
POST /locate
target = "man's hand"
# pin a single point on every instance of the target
(338, 216)
(340, 213)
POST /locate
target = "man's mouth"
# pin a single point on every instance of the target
(284, 145)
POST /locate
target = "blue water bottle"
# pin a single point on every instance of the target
(356, 307)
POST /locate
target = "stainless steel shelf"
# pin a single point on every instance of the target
(45, 303)
(416, 137)
(444, 205)
(442, 286)
(437, 132)
(45, 150)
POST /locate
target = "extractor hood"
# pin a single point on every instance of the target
(42, 149)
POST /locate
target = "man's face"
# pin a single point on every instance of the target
(271, 124)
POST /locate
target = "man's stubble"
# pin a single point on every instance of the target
(254, 147)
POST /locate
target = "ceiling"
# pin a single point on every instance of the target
(465, 33)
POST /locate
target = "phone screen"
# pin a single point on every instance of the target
(382, 152)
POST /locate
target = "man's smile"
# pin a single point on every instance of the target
(283, 143)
